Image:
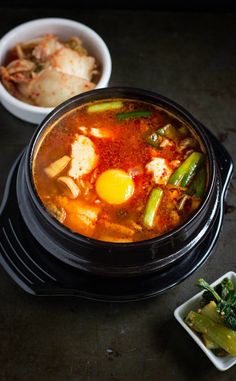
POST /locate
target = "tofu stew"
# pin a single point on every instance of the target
(120, 170)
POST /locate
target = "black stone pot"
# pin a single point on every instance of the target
(103, 270)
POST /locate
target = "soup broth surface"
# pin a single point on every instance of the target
(120, 170)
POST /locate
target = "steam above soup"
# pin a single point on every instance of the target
(120, 170)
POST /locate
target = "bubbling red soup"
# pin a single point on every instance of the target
(120, 170)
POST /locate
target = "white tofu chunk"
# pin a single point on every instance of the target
(84, 157)
(81, 216)
(160, 170)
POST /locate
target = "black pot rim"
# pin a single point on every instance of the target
(128, 93)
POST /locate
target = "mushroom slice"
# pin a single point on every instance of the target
(182, 201)
(70, 188)
(55, 168)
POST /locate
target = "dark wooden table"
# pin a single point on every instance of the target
(191, 58)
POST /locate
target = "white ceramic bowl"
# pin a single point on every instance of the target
(64, 28)
(221, 363)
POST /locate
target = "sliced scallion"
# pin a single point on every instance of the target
(99, 107)
(133, 114)
(152, 207)
(184, 174)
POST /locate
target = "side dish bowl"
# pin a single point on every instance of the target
(64, 28)
(118, 259)
(221, 363)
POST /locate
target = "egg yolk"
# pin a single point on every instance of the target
(114, 186)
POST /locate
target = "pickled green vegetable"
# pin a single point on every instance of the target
(225, 307)
(210, 344)
(210, 311)
(218, 333)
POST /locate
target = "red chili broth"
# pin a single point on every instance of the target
(127, 149)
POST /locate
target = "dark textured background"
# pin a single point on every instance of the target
(191, 58)
(172, 5)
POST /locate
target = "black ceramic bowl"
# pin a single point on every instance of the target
(117, 259)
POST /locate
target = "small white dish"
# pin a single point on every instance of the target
(64, 28)
(221, 363)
